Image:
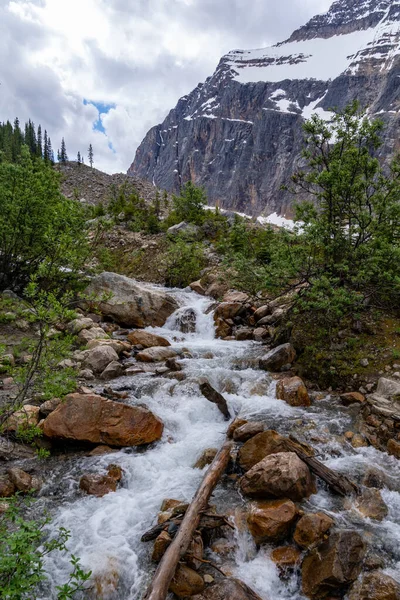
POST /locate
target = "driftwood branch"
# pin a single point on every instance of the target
(340, 484)
(158, 589)
(213, 396)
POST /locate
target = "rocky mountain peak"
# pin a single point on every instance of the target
(239, 134)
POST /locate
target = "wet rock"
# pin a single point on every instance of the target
(393, 447)
(195, 552)
(222, 328)
(146, 339)
(98, 485)
(21, 479)
(352, 398)
(132, 304)
(375, 478)
(197, 287)
(160, 545)
(375, 586)
(101, 450)
(47, 407)
(223, 547)
(113, 370)
(333, 565)
(156, 354)
(276, 358)
(97, 359)
(370, 504)
(228, 589)
(186, 321)
(173, 364)
(293, 391)
(247, 431)
(359, 441)
(245, 333)
(271, 521)
(286, 557)
(206, 458)
(28, 416)
(281, 475)
(7, 487)
(91, 418)
(186, 582)
(258, 447)
(311, 529)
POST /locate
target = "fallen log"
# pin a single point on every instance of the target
(213, 396)
(158, 589)
(340, 484)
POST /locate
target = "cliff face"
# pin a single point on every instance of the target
(239, 134)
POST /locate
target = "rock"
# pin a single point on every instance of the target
(160, 545)
(113, 370)
(115, 471)
(186, 582)
(393, 447)
(222, 329)
(195, 552)
(97, 359)
(197, 287)
(21, 479)
(10, 450)
(101, 450)
(47, 407)
(371, 505)
(7, 487)
(173, 365)
(86, 374)
(223, 547)
(285, 557)
(156, 354)
(271, 521)
(281, 475)
(206, 458)
(67, 364)
(95, 333)
(311, 529)
(375, 478)
(118, 345)
(236, 423)
(260, 446)
(235, 296)
(78, 325)
(146, 339)
(227, 589)
(188, 230)
(375, 586)
(26, 417)
(293, 391)
(227, 310)
(262, 312)
(4, 506)
(247, 431)
(91, 418)
(243, 334)
(358, 441)
(132, 304)
(333, 565)
(98, 485)
(364, 362)
(276, 358)
(388, 388)
(260, 334)
(352, 398)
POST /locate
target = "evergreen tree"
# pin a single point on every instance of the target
(90, 155)
(58, 155)
(63, 153)
(39, 147)
(45, 147)
(78, 158)
(50, 153)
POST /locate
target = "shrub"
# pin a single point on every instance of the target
(184, 262)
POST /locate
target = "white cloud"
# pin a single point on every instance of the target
(138, 55)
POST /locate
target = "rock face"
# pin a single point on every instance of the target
(239, 134)
(271, 521)
(333, 565)
(91, 418)
(281, 475)
(131, 304)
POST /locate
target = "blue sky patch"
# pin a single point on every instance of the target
(102, 108)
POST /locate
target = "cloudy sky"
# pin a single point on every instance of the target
(105, 71)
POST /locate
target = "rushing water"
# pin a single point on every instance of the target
(105, 532)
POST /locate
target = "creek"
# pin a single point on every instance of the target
(105, 532)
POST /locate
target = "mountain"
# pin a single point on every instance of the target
(239, 134)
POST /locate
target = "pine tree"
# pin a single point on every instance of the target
(58, 155)
(50, 153)
(63, 153)
(39, 147)
(78, 158)
(90, 155)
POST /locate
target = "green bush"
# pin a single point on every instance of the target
(184, 262)
(188, 206)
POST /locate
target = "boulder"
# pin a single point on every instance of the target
(281, 475)
(7, 487)
(262, 312)
(113, 370)
(94, 333)
(146, 339)
(235, 296)
(47, 407)
(236, 423)
(375, 478)
(98, 485)
(388, 388)
(276, 358)
(258, 447)
(244, 333)
(156, 354)
(222, 328)
(78, 325)
(10, 450)
(352, 398)
(132, 304)
(160, 545)
(99, 358)
(311, 528)
(248, 430)
(393, 447)
(375, 586)
(228, 589)
(227, 310)
(206, 458)
(333, 565)
(293, 391)
(94, 419)
(117, 345)
(197, 287)
(186, 582)
(271, 521)
(371, 505)
(285, 557)
(21, 479)
(28, 416)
